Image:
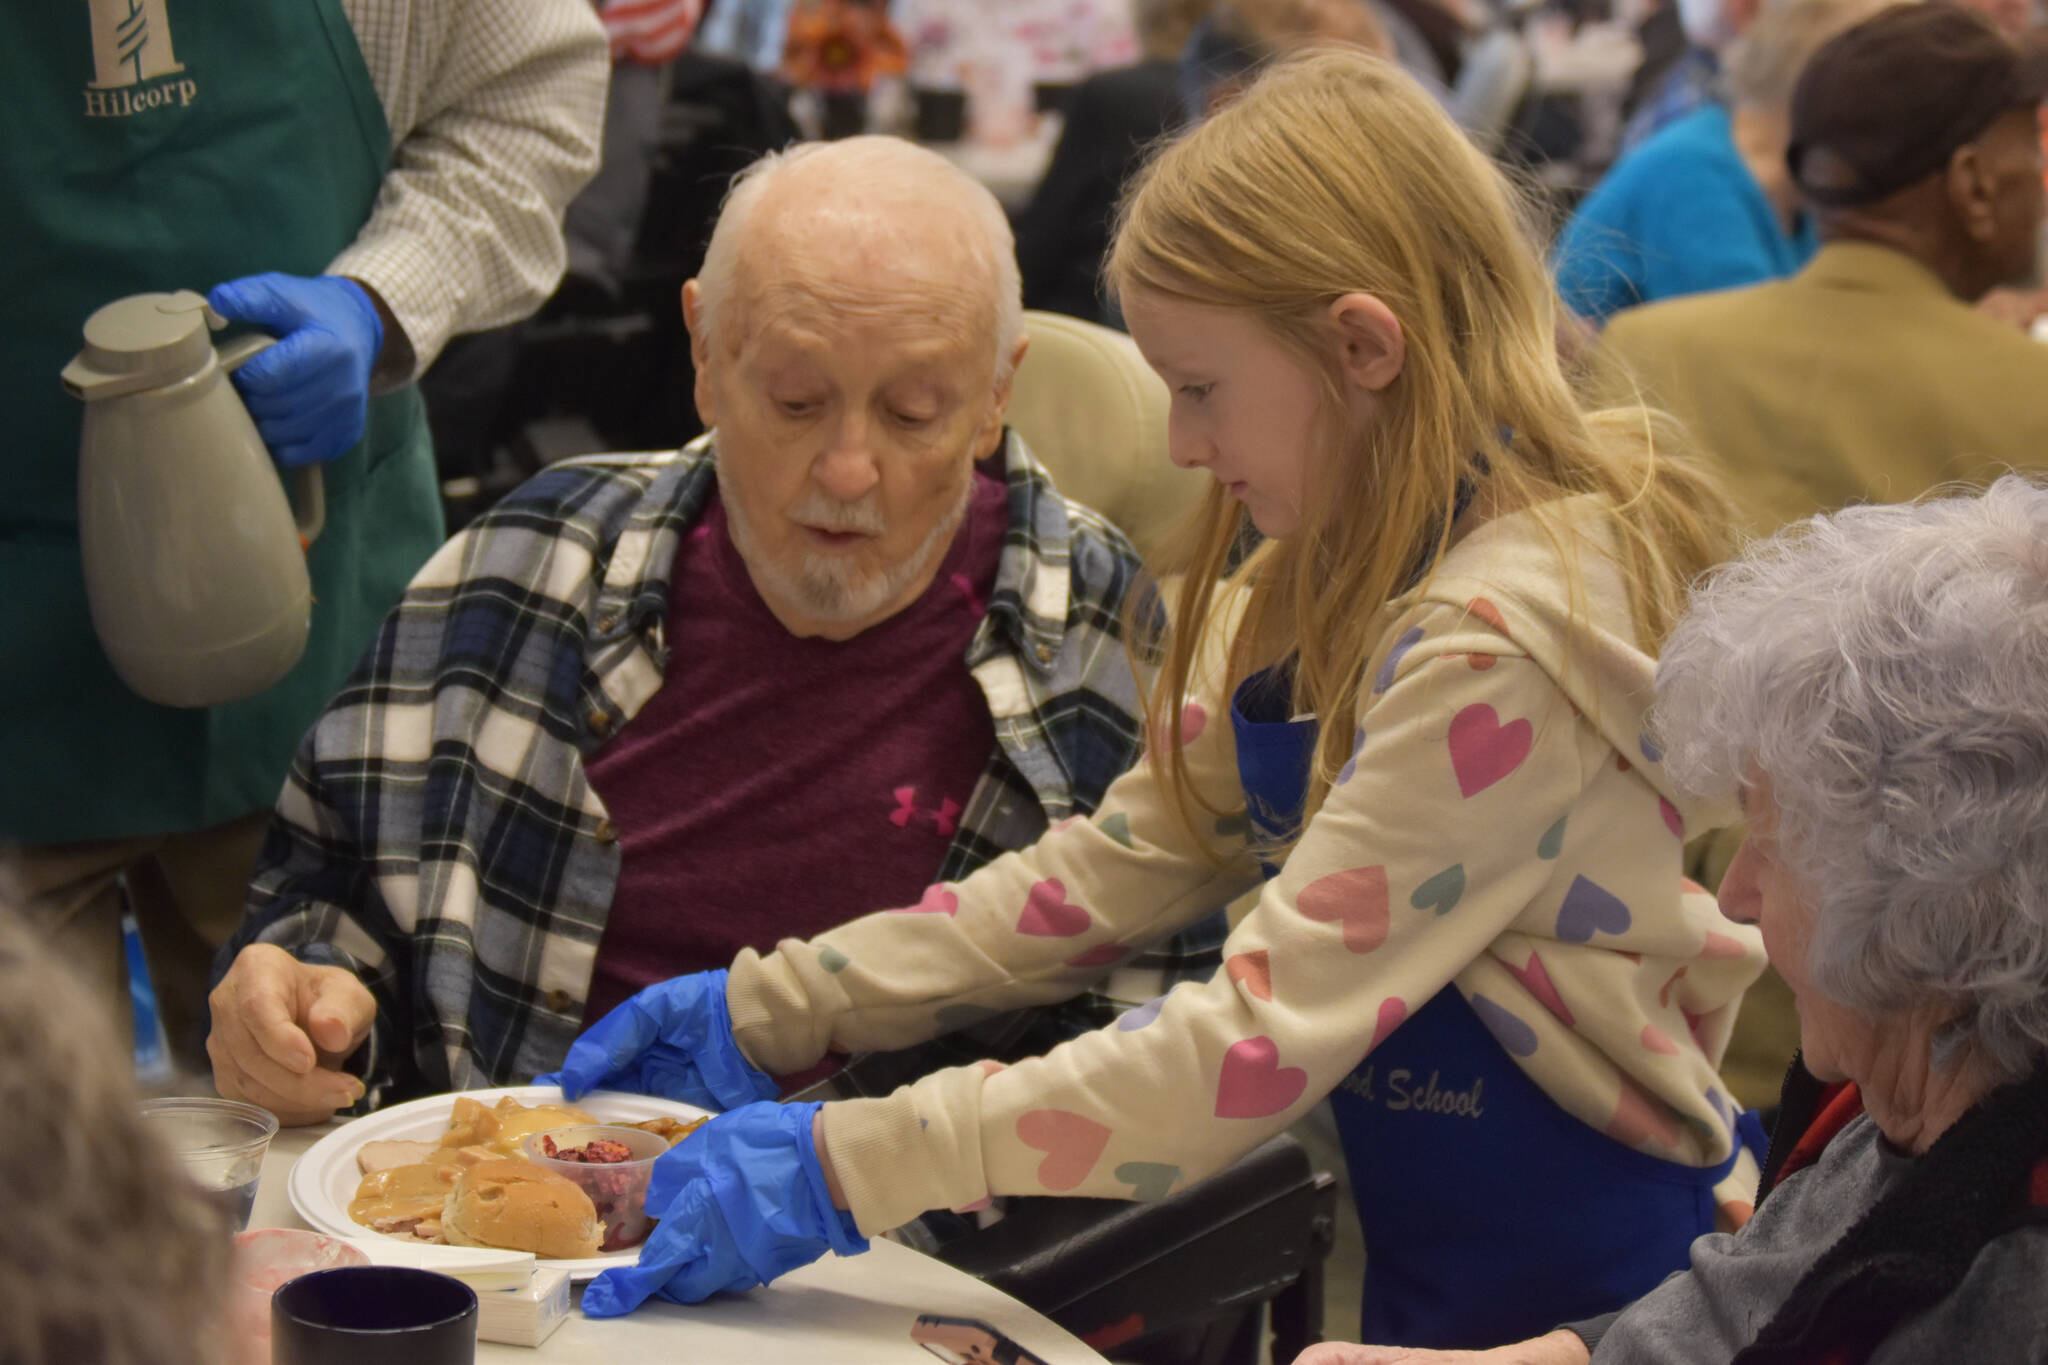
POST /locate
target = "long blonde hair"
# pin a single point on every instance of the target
(1336, 173)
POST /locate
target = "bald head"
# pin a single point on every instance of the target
(868, 224)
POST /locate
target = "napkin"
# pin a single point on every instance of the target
(481, 1268)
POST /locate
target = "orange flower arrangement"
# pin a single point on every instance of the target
(841, 46)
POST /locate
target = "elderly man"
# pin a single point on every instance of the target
(653, 709)
(1874, 670)
(1868, 376)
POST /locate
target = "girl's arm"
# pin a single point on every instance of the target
(1424, 852)
(1033, 927)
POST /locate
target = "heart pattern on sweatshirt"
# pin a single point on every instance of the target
(1590, 909)
(1048, 913)
(1150, 1181)
(1384, 679)
(1722, 946)
(1253, 971)
(1514, 1035)
(1488, 613)
(1072, 1144)
(1350, 768)
(1253, 1084)
(1118, 827)
(1442, 892)
(937, 900)
(1393, 1013)
(1656, 1040)
(1535, 979)
(1356, 898)
(1483, 751)
(1131, 1020)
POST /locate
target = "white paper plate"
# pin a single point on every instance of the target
(324, 1180)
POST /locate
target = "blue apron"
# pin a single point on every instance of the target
(1490, 1214)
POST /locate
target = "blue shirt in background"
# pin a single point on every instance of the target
(1692, 83)
(1681, 214)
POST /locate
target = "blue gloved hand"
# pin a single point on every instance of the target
(673, 1039)
(310, 393)
(741, 1201)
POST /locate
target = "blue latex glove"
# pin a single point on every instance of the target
(673, 1039)
(310, 393)
(741, 1201)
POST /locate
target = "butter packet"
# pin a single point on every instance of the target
(527, 1315)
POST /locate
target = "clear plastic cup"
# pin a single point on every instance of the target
(618, 1189)
(219, 1142)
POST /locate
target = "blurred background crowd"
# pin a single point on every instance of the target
(1052, 104)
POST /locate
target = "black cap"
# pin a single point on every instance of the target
(1885, 104)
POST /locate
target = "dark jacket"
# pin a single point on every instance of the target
(1111, 119)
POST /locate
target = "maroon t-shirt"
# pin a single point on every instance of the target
(775, 786)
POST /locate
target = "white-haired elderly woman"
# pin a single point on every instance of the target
(1873, 688)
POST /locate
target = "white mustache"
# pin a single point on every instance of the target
(826, 513)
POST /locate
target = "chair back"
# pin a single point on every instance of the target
(1094, 414)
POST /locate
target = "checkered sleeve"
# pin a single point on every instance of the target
(496, 110)
(315, 892)
(434, 760)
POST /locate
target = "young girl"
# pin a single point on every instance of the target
(1426, 737)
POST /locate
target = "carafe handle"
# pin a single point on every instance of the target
(310, 513)
(233, 353)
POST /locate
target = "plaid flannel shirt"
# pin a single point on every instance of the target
(438, 835)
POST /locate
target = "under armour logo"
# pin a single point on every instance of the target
(945, 817)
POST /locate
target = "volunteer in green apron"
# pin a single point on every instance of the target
(160, 145)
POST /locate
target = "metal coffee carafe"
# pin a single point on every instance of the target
(195, 566)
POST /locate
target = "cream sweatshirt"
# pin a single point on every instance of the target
(1503, 827)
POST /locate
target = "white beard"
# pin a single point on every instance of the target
(834, 588)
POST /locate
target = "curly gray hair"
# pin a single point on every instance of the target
(1887, 669)
(107, 1253)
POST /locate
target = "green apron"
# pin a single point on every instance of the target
(156, 145)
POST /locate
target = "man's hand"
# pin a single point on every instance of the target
(1554, 1348)
(281, 1030)
(310, 393)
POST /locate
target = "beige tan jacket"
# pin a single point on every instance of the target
(1860, 379)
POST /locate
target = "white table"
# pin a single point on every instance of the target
(852, 1311)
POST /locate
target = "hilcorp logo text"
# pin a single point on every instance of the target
(134, 65)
